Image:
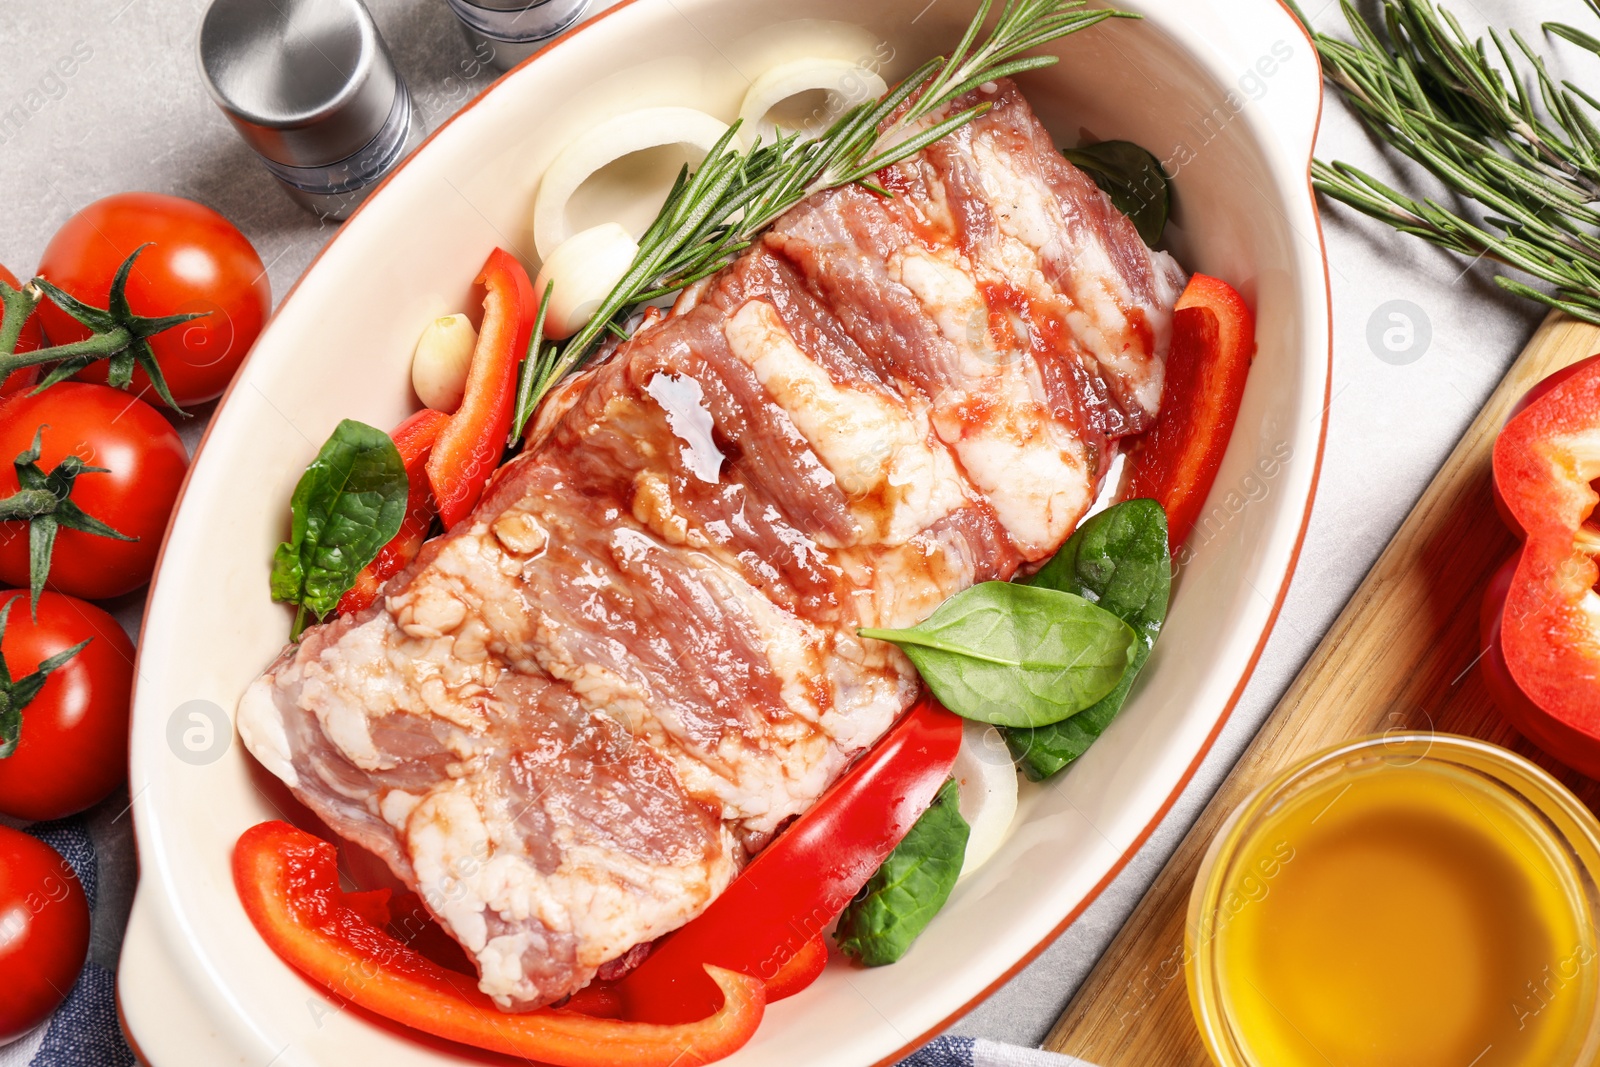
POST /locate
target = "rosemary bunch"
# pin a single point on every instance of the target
(714, 213)
(1527, 154)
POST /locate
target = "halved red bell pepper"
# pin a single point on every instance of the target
(1213, 342)
(800, 882)
(1540, 388)
(413, 439)
(288, 882)
(469, 448)
(1542, 615)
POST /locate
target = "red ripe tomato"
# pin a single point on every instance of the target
(106, 428)
(74, 740)
(197, 261)
(29, 340)
(44, 931)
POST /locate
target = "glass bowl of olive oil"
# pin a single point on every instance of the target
(1411, 899)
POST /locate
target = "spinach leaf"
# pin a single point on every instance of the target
(899, 901)
(349, 504)
(1017, 655)
(1132, 178)
(1119, 559)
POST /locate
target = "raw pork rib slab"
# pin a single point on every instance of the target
(577, 714)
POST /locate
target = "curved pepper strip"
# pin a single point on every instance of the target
(803, 968)
(289, 884)
(800, 882)
(1544, 463)
(469, 447)
(413, 439)
(1213, 342)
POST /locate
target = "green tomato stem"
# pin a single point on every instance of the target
(18, 304)
(100, 344)
(27, 504)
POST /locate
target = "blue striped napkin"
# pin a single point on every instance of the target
(977, 1052)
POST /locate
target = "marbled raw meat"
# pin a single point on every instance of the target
(578, 713)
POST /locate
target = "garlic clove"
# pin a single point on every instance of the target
(584, 269)
(439, 365)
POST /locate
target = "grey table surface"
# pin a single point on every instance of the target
(134, 116)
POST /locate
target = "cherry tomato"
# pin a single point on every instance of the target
(197, 261)
(74, 741)
(30, 339)
(44, 931)
(106, 428)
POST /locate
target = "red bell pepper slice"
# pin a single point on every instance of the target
(1545, 460)
(803, 968)
(289, 884)
(371, 904)
(414, 440)
(468, 449)
(1213, 342)
(799, 883)
(601, 1000)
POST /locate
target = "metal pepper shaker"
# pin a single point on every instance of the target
(312, 89)
(505, 32)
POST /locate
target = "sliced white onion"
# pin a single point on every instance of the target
(584, 268)
(846, 84)
(987, 778)
(439, 365)
(633, 131)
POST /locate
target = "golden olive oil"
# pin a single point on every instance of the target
(1405, 916)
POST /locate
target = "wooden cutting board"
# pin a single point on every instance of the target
(1399, 657)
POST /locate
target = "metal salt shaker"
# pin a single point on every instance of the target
(312, 89)
(505, 32)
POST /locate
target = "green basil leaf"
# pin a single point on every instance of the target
(1120, 560)
(899, 901)
(1045, 751)
(288, 577)
(348, 505)
(1132, 178)
(1017, 655)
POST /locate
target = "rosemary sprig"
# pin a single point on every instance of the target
(713, 213)
(1527, 155)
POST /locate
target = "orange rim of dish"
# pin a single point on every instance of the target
(1205, 746)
